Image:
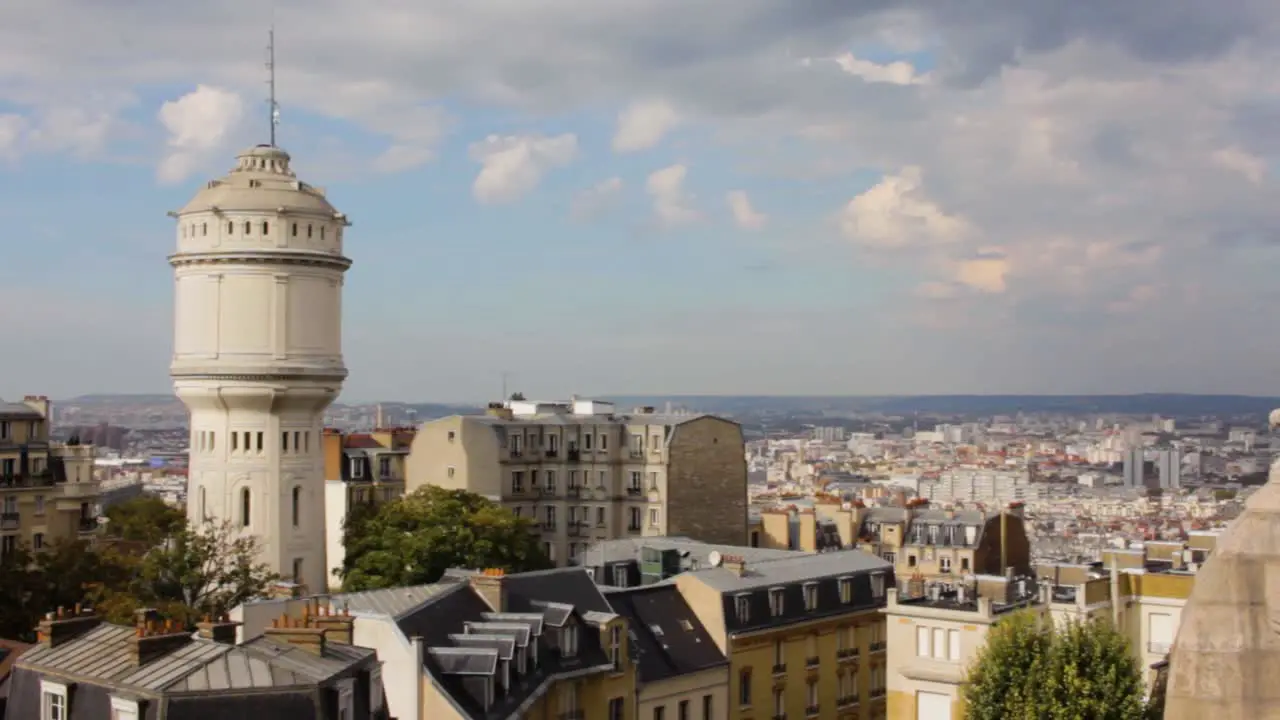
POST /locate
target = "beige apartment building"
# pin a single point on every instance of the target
(47, 490)
(936, 629)
(585, 472)
(359, 469)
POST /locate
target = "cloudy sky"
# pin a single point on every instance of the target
(659, 196)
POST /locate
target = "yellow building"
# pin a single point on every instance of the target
(804, 635)
(47, 490)
(918, 539)
(937, 628)
(359, 469)
(585, 472)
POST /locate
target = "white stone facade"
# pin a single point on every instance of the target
(258, 354)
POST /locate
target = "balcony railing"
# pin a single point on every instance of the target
(1159, 648)
(573, 491)
(780, 669)
(552, 453)
(779, 716)
(574, 529)
(847, 701)
(811, 662)
(88, 525)
(811, 711)
(573, 455)
(10, 521)
(549, 526)
(847, 654)
(637, 454)
(878, 646)
(877, 693)
(572, 715)
(633, 528)
(517, 453)
(635, 491)
(30, 480)
(548, 491)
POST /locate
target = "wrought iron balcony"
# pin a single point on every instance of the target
(10, 521)
(635, 491)
(573, 491)
(779, 668)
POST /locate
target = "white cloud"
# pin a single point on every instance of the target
(1247, 164)
(744, 215)
(984, 274)
(671, 203)
(643, 125)
(591, 201)
(199, 125)
(898, 72)
(896, 213)
(513, 165)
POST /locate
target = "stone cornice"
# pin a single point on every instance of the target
(261, 257)
(318, 376)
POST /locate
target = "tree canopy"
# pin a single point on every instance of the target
(1031, 670)
(414, 539)
(149, 558)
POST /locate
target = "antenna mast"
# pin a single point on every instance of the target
(272, 106)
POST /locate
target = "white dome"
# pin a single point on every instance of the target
(261, 182)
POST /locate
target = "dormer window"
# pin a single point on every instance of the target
(53, 701)
(776, 598)
(742, 607)
(615, 647)
(877, 585)
(810, 596)
(124, 709)
(569, 641)
(620, 576)
(846, 590)
(357, 468)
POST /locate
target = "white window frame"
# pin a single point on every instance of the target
(922, 641)
(939, 644)
(953, 645)
(124, 709)
(357, 468)
(50, 690)
(347, 698)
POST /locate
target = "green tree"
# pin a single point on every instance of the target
(20, 604)
(146, 518)
(1029, 670)
(414, 539)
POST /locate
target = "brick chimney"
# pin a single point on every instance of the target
(734, 564)
(488, 584)
(59, 627)
(153, 639)
(220, 630)
(338, 627)
(294, 631)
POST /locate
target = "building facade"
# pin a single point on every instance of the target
(258, 354)
(359, 469)
(48, 491)
(584, 472)
(804, 635)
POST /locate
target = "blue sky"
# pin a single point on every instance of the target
(926, 202)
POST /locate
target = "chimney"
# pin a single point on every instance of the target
(154, 639)
(339, 627)
(221, 630)
(488, 584)
(734, 564)
(294, 631)
(59, 627)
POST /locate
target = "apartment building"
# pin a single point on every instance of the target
(586, 472)
(804, 635)
(359, 468)
(936, 628)
(85, 669)
(481, 645)
(47, 490)
(918, 539)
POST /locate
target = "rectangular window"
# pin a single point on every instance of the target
(744, 687)
(776, 598)
(953, 645)
(846, 590)
(635, 480)
(620, 576)
(357, 468)
(375, 689)
(660, 712)
(235, 441)
(635, 518)
(944, 565)
(939, 644)
(742, 606)
(384, 468)
(615, 647)
(600, 516)
(39, 504)
(615, 708)
(603, 479)
(551, 481)
(53, 701)
(922, 642)
(683, 710)
(604, 441)
(810, 596)
(284, 441)
(517, 481)
(37, 541)
(877, 585)
(261, 438)
(586, 441)
(653, 517)
(811, 693)
(706, 707)
(515, 445)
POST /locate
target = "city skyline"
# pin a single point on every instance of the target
(747, 201)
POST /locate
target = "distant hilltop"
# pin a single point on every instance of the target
(1167, 404)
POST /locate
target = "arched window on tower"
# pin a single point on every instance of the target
(295, 230)
(231, 228)
(248, 227)
(308, 231)
(297, 505)
(266, 228)
(244, 507)
(204, 229)
(321, 232)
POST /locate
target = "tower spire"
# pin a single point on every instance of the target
(272, 106)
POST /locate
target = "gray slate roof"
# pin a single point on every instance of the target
(18, 410)
(623, 549)
(391, 601)
(791, 570)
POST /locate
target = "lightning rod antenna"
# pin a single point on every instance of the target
(272, 106)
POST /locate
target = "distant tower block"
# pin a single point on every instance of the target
(258, 354)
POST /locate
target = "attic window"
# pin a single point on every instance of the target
(686, 625)
(742, 606)
(569, 641)
(656, 630)
(810, 596)
(877, 585)
(776, 605)
(846, 590)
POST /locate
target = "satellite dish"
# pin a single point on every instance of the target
(714, 558)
